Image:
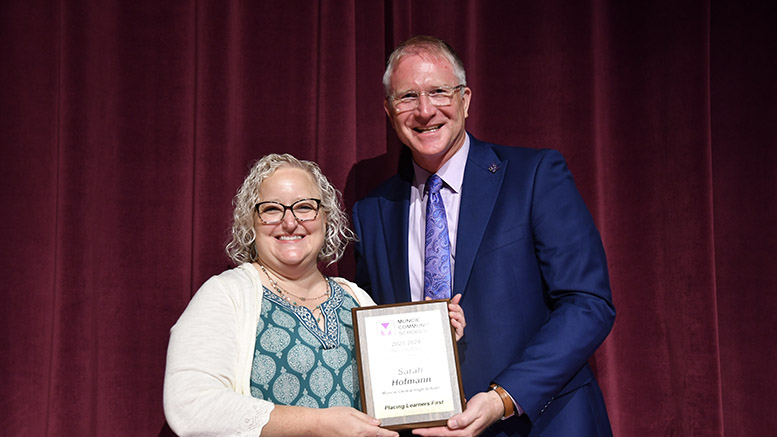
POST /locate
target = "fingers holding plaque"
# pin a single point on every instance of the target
(408, 364)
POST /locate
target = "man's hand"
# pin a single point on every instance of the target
(482, 410)
(456, 314)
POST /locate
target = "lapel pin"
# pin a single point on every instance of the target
(493, 167)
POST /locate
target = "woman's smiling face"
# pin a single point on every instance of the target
(290, 243)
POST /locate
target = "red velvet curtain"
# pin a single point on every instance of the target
(127, 126)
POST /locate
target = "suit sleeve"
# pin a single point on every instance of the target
(573, 266)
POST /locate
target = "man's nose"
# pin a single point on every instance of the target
(425, 106)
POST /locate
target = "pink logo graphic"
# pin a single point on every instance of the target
(385, 328)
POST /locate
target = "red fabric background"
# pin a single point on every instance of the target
(127, 126)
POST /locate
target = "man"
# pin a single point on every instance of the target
(521, 248)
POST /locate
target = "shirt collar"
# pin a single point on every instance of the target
(452, 172)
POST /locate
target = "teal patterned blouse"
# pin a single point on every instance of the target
(296, 363)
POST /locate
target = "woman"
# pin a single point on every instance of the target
(267, 347)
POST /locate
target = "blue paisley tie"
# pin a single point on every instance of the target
(437, 253)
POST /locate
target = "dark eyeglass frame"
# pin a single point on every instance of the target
(287, 208)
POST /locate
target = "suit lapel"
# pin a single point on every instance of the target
(482, 183)
(394, 215)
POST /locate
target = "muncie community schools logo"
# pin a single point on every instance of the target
(384, 328)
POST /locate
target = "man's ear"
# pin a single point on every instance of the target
(467, 96)
(388, 109)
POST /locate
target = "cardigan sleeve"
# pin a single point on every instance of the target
(201, 394)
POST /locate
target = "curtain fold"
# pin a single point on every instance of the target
(743, 88)
(127, 127)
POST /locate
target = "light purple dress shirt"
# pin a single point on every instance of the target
(452, 175)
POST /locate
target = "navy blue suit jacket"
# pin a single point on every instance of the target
(533, 277)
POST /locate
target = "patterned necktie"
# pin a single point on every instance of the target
(437, 252)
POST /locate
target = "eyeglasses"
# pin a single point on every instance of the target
(303, 210)
(408, 101)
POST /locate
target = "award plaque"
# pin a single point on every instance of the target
(408, 364)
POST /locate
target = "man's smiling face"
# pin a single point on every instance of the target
(433, 133)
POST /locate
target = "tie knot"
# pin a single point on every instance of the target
(434, 183)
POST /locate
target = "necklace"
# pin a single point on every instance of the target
(285, 294)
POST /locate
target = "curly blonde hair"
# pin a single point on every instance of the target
(242, 246)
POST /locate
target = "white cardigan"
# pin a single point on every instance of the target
(210, 355)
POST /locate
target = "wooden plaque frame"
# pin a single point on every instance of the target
(408, 364)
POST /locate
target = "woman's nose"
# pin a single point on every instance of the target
(288, 221)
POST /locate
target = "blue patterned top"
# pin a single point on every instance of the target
(296, 363)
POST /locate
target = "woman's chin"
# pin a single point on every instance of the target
(297, 260)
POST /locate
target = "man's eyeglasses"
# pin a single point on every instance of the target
(408, 100)
(303, 210)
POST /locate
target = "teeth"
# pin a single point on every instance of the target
(289, 237)
(428, 129)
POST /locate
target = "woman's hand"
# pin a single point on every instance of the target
(346, 421)
(325, 422)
